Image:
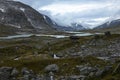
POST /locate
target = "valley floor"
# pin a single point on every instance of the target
(95, 57)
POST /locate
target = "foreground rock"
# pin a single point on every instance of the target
(86, 71)
(8, 73)
(52, 68)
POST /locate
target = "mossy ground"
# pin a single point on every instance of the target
(27, 46)
(67, 66)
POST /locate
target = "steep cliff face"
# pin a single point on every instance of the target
(22, 17)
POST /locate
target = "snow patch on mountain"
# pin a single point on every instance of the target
(44, 17)
(16, 26)
(48, 20)
(22, 9)
(2, 10)
(30, 21)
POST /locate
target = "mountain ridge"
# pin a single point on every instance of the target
(23, 17)
(109, 24)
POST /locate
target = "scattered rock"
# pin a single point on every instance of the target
(52, 68)
(25, 71)
(86, 70)
(5, 73)
(75, 77)
(14, 72)
(99, 73)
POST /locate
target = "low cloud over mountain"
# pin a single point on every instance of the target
(65, 12)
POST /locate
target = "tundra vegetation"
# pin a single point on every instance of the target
(95, 57)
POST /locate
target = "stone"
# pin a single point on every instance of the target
(99, 73)
(24, 71)
(107, 68)
(91, 74)
(26, 77)
(75, 77)
(38, 77)
(52, 68)
(79, 66)
(28, 74)
(5, 73)
(87, 70)
(14, 72)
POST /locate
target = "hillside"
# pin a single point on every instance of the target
(21, 18)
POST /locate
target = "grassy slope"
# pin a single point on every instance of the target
(5, 30)
(38, 65)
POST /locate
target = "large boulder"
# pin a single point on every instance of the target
(14, 73)
(25, 71)
(52, 68)
(28, 74)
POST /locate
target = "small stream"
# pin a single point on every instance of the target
(45, 35)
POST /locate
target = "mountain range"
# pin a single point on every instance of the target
(73, 27)
(19, 18)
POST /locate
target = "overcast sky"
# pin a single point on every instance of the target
(90, 12)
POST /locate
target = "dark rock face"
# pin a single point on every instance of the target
(21, 16)
(112, 24)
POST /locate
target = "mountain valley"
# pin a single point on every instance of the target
(34, 47)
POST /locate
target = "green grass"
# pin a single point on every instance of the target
(67, 66)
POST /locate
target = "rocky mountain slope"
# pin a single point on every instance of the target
(110, 24)
(113, 26)
(21, 17)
